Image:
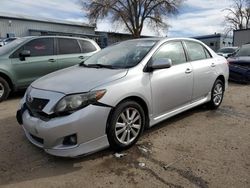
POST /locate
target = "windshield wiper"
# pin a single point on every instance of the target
(96, 65)
(82, 64)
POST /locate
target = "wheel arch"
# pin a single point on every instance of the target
(137, 99)
(8, 80)
(222, 78)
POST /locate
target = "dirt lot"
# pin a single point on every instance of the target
(199, 148)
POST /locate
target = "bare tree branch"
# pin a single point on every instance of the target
(134, 14)
(238, 16)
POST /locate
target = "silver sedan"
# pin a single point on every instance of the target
(108, 100)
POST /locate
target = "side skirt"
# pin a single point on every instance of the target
(174, 112)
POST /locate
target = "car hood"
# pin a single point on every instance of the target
(239, 59)
(223, 53)
(78, 79)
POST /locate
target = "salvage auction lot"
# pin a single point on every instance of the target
(198, 148)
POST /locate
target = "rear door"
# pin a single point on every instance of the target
(203, 69)
(41, 61)
(69, 52)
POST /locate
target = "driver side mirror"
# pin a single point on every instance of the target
(23, 54)
(162, 63)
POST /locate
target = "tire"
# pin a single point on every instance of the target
(122, 131)
(4, 89)
(217, 94)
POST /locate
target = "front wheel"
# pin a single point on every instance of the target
(217, 94)
(126, 125)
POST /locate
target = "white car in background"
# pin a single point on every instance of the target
(6, 41)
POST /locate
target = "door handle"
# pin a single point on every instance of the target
(188, 70)
(213, 65)
(81, 57)
(51, 60)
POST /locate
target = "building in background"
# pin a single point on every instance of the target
(216, 41)
(241, 37)
(109, 38)
(20, 26)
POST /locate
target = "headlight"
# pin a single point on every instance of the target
(71, 103)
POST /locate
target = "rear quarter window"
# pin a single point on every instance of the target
(208, 55)
(87, 46)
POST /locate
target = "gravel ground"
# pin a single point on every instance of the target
(198, 148)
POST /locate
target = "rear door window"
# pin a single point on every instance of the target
(68, 46)
(87, 46)
(208, 55)
(195, 51)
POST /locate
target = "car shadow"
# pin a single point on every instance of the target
(16, 95)
(176, 118)
(235, 82)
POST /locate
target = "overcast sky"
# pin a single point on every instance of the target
(196, 17)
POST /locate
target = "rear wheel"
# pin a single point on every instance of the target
(126, 125)
(4, 89)
(217, 94)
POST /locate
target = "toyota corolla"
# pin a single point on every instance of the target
(108, 100)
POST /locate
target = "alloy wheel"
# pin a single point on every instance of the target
(217, 94)
(128, 125)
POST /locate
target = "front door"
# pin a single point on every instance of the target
(41, 61)
(171, 87)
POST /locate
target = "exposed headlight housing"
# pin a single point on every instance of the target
(72, 103)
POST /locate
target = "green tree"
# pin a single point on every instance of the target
(134, 14)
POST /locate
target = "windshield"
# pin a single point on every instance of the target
(244, 51)
(227, 50)
(8, 47)
(123, 55)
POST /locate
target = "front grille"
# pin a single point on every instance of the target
(37, 104)
(41, 115)
(37, 139)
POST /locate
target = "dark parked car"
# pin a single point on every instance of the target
(227, 52)
(239, 65)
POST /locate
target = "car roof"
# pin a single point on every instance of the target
(55, 36)
(163, 39)
(230, 47)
